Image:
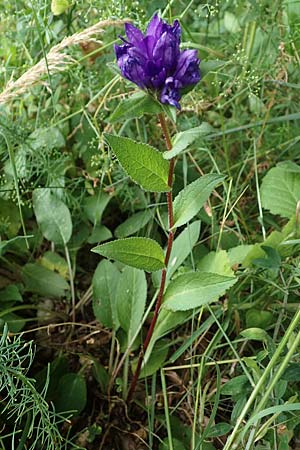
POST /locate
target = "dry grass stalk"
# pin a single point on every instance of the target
(55, 61)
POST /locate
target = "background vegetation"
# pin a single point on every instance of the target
(225, 375)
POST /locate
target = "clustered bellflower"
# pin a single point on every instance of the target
(154, 61)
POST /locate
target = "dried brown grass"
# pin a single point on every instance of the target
(55, 61)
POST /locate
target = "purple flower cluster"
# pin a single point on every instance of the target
(154, 61)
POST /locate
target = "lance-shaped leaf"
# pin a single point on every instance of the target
(184, 139)
(105, 281)
(131, 299)
(194, 289)
(143, 163)
(142, 253)
(190, 200)
(133, 224)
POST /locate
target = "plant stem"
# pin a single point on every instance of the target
(166, 133)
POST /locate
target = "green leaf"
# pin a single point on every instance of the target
(231, 22)
(238, 254)
(156, 360)
(10, 294)
(53, 216)
(235, 386)
(194, 289)
(49, 138)
(71, 394)
(131, 299)
(143, 163)
(256, 318)
(100, 233)
(142, 253)
(43, 281)
(14, 322)
(105, 282)
(166, 322)
(133, 224)
(280, 190)
(95, 205)
(256, 334)
(185, 138)
(59, 6)
(9, 218)
(136, 106)
(219, 429)
(216, 262)
(190, 200)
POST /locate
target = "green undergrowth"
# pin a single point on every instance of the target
(222, 369)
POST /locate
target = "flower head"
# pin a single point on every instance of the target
(154, 61)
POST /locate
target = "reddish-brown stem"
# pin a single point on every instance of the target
(167, 257)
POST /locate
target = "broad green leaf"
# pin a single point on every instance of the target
(235, 386)
(280, 190)
(133, 224)
(59, 6)
(53, 216)
(71, 394)
(231, 22)
(185, 138)
(105, 282)
(46, 137)
(53, 261)
(142, 253)
(194, 289)
(216, 262)
(156, 360)
(177, 445)
(43, 281)
(10, 294)
(143, 163)
(256, 318)
(238, 254)
(100, 233)
(95, 205)
(131, 299)
(190, 200)
(135, 106)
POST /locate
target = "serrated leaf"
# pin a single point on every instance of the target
(280, 190)
(105, 282)
(194, 289)
(53, 216)
(59, 6)
(136, 106)
(133, 224)
(185, 138)
(143, 163)
(190, 200)
(131, 299)
(43, 281)
(142, 253)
